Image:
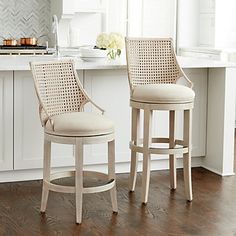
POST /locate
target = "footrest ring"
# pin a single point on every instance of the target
(71, 189)
(178, 149)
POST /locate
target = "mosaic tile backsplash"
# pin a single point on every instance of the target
(25, 18)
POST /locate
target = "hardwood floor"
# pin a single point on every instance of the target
(212, 212)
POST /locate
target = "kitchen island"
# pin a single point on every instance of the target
(21, 139)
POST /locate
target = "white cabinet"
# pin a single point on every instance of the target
(109, 89)
(207, 6)
(207, 23)
(89, 6)
(152, 18)
(80, 21)
(6, 121)
(28, 133)
(199, 79)
(112, 93)
(207, 29)
(67, 8)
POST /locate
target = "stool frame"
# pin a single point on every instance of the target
(143, 68)
(59, 91)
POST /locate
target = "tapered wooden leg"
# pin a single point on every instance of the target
(46, 173)
(146, 156)
(111, 174)
(134, 157)
(187, 156)
(78, 179)
(172, 158)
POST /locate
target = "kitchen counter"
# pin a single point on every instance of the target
(106, 82)
(18, 63)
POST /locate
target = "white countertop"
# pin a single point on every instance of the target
(16, 63)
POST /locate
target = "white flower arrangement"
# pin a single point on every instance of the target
(114, 42)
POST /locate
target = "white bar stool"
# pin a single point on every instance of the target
(61, 101)
(153, 72)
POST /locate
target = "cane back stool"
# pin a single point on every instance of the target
(61, 102)
(153, 73)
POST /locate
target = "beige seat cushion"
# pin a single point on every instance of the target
(162, 93)
(79, 124)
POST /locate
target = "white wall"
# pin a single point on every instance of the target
(188, 23)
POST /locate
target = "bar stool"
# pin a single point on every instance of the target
(153, 72)
(61, 102)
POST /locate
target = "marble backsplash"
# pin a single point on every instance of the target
(25, 18)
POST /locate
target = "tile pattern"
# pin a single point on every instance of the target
(25, 18)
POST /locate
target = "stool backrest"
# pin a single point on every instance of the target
(151, 61)
(58, 88)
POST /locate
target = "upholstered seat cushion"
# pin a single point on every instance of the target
(162, 93)
(79, 124)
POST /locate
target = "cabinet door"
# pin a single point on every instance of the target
(81, 5)
(110, 90)
(207, 6)
(152, 18)
(207, 30)
(199, 79)
(68, 6)
(28, 133)
(6, 121)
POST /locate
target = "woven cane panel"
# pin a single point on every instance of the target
(151, 61)
(58, 88)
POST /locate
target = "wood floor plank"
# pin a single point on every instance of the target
(212, 212)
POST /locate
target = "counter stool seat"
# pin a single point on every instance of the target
(162, 93)
(61, 107)
(153, 73)
(79, 124)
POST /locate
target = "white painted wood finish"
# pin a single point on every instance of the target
(67, 8)
(46, 173)
(6, 121)
(110, 89)
(221, 110)
(80, 21)
(207, 29)
(172, 158)
(187, 156)
(207, 6)
(154, 18)
(78, 173)
(147, 141)
(110, 99)
(135, 134)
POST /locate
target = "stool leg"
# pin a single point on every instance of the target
(78, 179)
(111, 174)
(134, 157)
(147, 139)
(46, 173)
(187, 156)
(172, 159)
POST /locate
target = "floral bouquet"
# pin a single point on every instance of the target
(114, 42)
